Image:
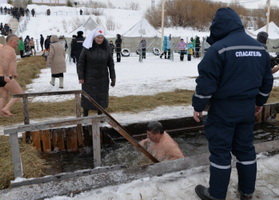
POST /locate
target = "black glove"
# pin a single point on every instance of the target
(112, 82)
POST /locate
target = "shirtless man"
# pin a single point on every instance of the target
(160, 144)
(8, 84)
(32, 46)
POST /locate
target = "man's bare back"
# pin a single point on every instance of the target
(160, 144)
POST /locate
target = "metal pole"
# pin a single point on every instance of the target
(152, 4)
(267, 15)
(163, 23)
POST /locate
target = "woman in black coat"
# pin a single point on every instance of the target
(118, 43)
(95, 68)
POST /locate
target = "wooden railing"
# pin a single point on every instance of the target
(93, 120)
(13, 133)
(25, 102)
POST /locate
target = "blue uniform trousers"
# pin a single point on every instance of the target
(229, 129)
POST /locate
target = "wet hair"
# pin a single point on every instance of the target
(155, 127)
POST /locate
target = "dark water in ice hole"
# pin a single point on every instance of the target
(123, 153)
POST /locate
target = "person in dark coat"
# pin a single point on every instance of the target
(118, 43)
(197, 47)
(262, 38)
(33, 12)
(47, 44)
(169, 46)
(77, 45)
(95, 68)
(74, 37)
(143, 48)
(42, 39)
(234, 82)
(112, 47)
(26, 43)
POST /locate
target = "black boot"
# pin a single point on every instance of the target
(203, 193)
(243, 196)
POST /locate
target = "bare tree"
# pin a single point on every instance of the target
(21, 3)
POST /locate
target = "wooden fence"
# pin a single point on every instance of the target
(43, 132)
(41, 139)
(13, 133)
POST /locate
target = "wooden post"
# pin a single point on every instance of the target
(78, 115)
(267, 15)
(162, 25)
(26, 135)
(58, 140)
(119, 128)
(266, 112)
(18, 172)
(45, 136)
(71, 140)
(96, 143)
(36, 140)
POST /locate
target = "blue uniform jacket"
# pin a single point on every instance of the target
(236, 66)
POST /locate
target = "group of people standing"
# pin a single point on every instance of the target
(191, 48)
(26, 47)
(5, 29)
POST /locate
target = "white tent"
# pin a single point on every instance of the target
(273, 30)
(87, 27)
(142, 29)
(273, 37)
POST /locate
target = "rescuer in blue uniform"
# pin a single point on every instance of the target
(234, 82)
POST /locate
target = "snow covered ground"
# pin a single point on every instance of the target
(180, 185)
